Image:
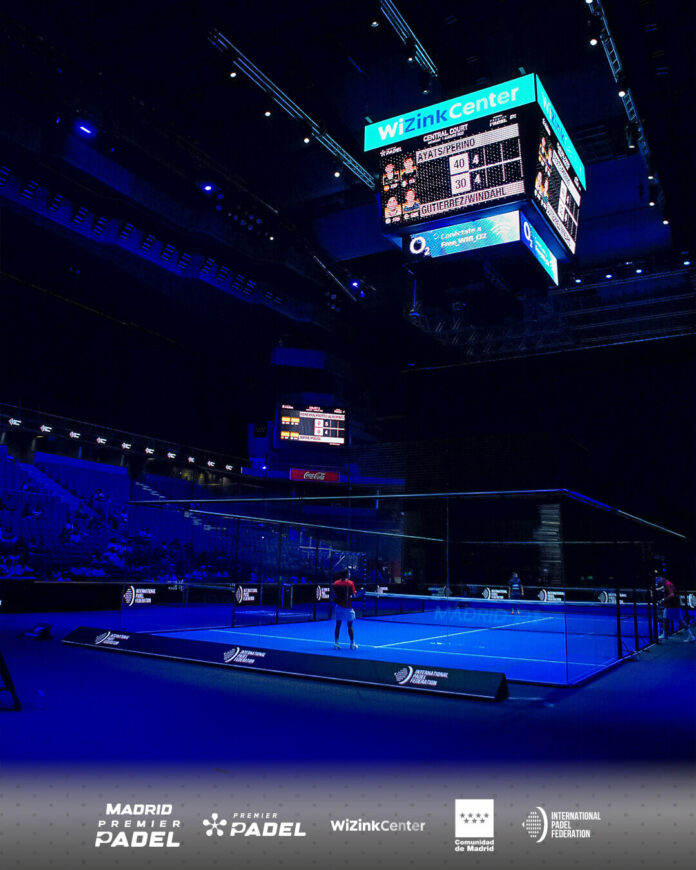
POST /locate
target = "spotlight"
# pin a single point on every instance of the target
(639, 271)
(687, 262)
(267, 113)
(652, 195)
(596, 32)
(207, 188)
(424, 81)
(355, 283)
(374, 24)
(84, 128)
(631, 135)
(307, 134)
(665, 221)
(578, 280)
(338, 169)
(623, 85)
(233, 74)
(608, 275)
(411, 49)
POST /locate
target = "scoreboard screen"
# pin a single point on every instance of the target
(479, 153)
(312, 424)
(446, 172)
(557, 189)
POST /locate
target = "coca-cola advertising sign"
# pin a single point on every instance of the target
(321, 476)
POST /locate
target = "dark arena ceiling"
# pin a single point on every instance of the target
(287, 229)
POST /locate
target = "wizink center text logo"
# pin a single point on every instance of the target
(137, 826)
(500, 98)
(474, 825)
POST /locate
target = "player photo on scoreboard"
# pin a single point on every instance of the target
(390, 178)
(392, 210)
(409, 174)
(411, 206)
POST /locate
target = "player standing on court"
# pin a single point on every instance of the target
(343, 593)
(672, 611)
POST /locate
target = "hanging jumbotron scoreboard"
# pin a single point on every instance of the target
(487, 152)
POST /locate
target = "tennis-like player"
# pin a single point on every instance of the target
(343, 593)
(672, 611)
(515, 590)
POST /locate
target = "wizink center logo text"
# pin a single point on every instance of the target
(138, 826)
(508, 95)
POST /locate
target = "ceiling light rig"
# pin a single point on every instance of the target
(599, 28)
(283, 101)
(415, 52)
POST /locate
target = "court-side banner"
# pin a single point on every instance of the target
(407, 675)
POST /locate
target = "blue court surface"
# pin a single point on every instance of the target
(549, 644)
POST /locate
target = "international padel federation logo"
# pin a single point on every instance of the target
(100, 638)
(214, 825)
(537, 824)
(230, 655)
(129, 596)
(403, 675)
(239, 594)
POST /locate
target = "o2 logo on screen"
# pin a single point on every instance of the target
(418, 246)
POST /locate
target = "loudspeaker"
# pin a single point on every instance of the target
(41, 631)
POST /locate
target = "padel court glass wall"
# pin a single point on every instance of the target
(435, 571)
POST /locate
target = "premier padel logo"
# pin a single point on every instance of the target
(230, 655)
(100, 638)
(214, 825)
(251, 824)
(403, 675)
(239, 594)
(537, 824)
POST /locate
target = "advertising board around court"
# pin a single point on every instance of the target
(408, 674)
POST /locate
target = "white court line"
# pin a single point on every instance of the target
(435, 652)
(468, 631)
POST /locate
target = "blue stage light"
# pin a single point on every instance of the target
(355, 284)
(608, 275)
(639, 271)
(687, 262)
(85, 129)
(207, 188)
(578, 280)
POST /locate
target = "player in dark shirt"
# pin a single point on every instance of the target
(343, 593)
(515, 590)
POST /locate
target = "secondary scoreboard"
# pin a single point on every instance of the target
(477, 152)
(312, 424)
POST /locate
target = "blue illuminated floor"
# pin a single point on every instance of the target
(527, 648)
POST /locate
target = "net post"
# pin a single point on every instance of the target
(619, 642)
(635, 620)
